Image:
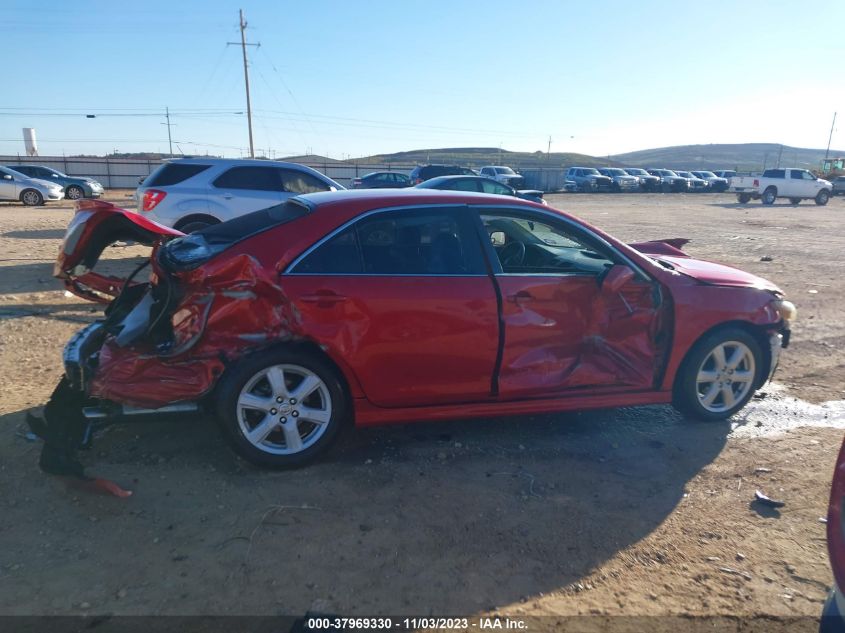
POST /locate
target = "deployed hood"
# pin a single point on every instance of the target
(669, 252)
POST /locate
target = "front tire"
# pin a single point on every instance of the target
(822, 197)
(32, 198)
(74, 193)
(719, 375)
(795, 200)
(770, 195)
(281, 408)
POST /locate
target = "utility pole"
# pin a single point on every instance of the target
(829, 138)
(168, 124)
(780, 152)
(244, 44)
(549, 150)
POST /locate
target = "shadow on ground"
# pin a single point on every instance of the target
(36, 234)
(458, 516)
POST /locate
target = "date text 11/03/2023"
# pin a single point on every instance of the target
(416, 623)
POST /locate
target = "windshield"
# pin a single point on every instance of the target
(616, 172)
(591, 172)
(504, 170)
(636, 172)
(706, 174)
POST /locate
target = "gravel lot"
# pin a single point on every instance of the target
(632, 512)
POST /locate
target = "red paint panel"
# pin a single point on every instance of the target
(368, 415)
(564, 332)
(409, 340)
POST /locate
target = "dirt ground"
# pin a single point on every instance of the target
(631, 512)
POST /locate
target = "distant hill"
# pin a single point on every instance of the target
(739, 156)
(309, 158)
(481, 156)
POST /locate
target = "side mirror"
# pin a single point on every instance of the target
(497, 238)
(7, 177)
(616, 278)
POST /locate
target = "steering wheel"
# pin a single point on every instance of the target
(513, 254)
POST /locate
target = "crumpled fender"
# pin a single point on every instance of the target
(228, 309)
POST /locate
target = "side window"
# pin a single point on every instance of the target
(301, 182)
(807, 175)
(526, 244)
(338, 256)
(796, 174)
(463, 184)
(252, 178)
(495, 187)
(419, 242)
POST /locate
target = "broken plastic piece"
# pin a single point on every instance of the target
(98, 486)
(768, 501)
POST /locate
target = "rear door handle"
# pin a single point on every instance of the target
(324, 297)
(523, 296)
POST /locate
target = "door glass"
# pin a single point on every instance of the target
(525, 244)
(498, 188)
(301, 182)
(337, 256)
(252, 178)
(423, 242)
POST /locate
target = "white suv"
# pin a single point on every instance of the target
(189, 194)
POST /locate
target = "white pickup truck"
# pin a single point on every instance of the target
(795, 184)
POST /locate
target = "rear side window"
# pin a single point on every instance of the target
(774, 173)
(173, 174)
(251, 178)
(338, 256)
(301, 182)
(419, 242)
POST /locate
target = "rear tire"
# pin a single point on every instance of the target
(744, 198)
(822, 197)
(281, 408)
(32, 198)
(770, 195)
(719, 375)
(795, 200)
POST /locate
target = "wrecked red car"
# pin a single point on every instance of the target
(379, 307)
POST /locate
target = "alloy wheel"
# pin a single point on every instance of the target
(726, 376)
(284, 409)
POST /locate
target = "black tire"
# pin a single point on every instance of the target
(770, 195)
(685, 395)
(795, 200)
(74, 192)
(32, 198)
(232, 419)
(744, 198)
(822, 197)
(194, 223)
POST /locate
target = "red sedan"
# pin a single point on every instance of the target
(380, 307)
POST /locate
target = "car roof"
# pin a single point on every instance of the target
(198, 160)
(367, 199)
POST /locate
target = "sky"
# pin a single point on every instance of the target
(356, 78)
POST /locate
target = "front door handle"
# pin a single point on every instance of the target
(323, 298)
(523, 296)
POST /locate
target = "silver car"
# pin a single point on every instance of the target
(31, 191)
(189, 194)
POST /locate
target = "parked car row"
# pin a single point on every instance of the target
(636, 179)
(32, 185)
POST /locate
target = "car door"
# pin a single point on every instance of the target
(405, 298)
(564, 330)
(247, 188)
(8, 187)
